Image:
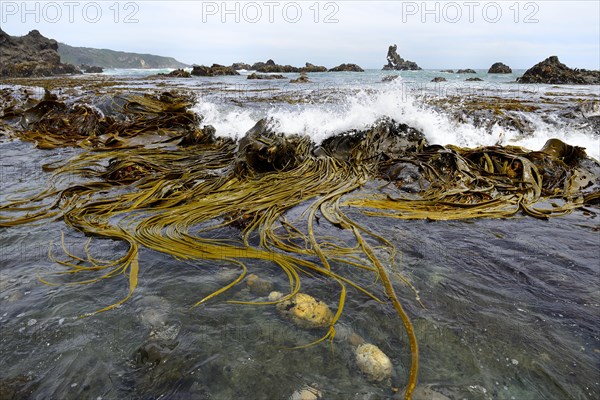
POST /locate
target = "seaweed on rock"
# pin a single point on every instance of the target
(171, 199)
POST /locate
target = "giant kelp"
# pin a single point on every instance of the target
(172, 195)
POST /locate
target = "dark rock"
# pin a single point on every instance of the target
(178, 73)
(262, 150)
(466, 71)
(214, 70)
(474, 79)
(313, 68)
(91, 69)
(552, 71)
(499, 68)
(206, 135)
(450, 71)
(438, 79)
(301, 79)
(347, 67)
(395, 62)
(389, 78)
(385, 140)
(240, 65)
(254, 75)
(270, 66)
(31, 55)
(153, 352)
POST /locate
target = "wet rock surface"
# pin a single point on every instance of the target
(466, 71)
(30, 56)
(552, 71)
(438, 79)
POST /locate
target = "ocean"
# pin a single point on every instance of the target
(503, 307)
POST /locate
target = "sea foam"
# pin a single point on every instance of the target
(359, 110)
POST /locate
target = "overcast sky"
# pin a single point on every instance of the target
(435, 34)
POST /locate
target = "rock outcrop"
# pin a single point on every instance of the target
(240, 65)
(499, 68)
(466, 71)
(91, 69)
(271, 66)
(178, 73)
(347, 67)
(474, 79)
(308, 67)
(254, 75)
(438, 79)
(214, 70)
(31, 55)
(552, 71)
(395, 62)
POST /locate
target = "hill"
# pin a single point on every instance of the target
(114, 59)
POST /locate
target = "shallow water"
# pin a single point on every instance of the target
(511, 312)
(511, 306)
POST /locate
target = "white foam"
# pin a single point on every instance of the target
(359, 110)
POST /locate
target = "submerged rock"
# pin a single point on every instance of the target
(214, 70)
(31, 55)
(301, 79)
(475, 79)
(395, 62)
(153, 352)
(466, 71)
(450, 71)
(347, 67)
(306, 311)
(259, 286)
(389, 78)
(306, 393)
(552, 71)
(373, 362)
(499, 68)
(438, 79)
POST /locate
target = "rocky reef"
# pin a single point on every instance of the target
(347, 67)
(214, 70)
(31, 55)
(552, 71)
(395, 62)
(466, 71)
(308, 67)
(499, 68)
(254, 75)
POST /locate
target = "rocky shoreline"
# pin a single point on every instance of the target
(34, 55)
